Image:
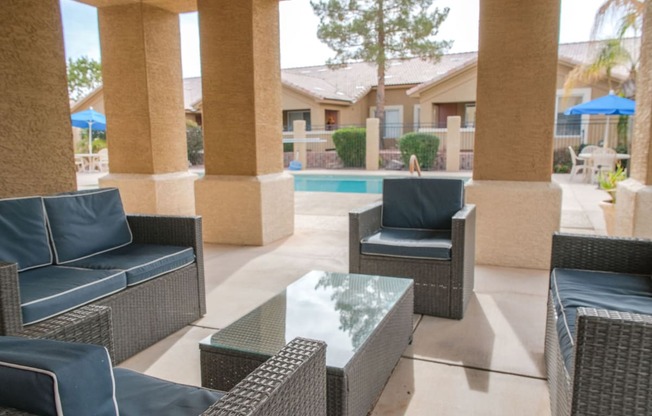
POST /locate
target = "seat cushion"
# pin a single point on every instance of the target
(572, 289)
(46, 377)
(85, 223)
(408, 243)
(141, 262)
(421, 203)
(140, 394)
(52, 290)
(24, 233)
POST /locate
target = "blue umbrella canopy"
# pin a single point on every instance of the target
(89, 119)
(610, 104)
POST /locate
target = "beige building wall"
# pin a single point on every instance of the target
(36, 155)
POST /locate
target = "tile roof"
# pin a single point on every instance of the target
(353, 81)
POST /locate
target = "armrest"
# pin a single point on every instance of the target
(11, 318)
(292, 382)
(609, 254)
(174, 231)
(612, 358)
(363, 222)
(463, 252)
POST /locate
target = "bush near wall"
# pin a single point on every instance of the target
(350, 145)
(424, 146)
(561, 160)
(195, 141)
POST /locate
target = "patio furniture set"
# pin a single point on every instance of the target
(93, 275)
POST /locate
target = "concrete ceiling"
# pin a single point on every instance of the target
(175, 6)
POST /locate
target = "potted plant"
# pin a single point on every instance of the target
(608, 182)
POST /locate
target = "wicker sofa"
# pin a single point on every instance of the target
(598, 345)
(153, 281)
(292, 382)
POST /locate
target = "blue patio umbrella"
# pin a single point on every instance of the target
(607, 105)
(91, 119)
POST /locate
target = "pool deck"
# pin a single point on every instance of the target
(489, 363)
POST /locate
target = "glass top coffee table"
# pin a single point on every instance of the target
(366, 322)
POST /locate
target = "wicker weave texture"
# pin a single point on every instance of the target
(441, 288)
(292, 382)
(612, 362)
(143, 314)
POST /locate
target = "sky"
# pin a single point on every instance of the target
(298, 26)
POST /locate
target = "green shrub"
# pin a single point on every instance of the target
(350, 145)
(195, 140)
(561, 160)
(424, 146)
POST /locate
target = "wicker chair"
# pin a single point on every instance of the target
(292, 382)
(610, 367)
(420, 230)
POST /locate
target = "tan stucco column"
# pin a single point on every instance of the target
(634, 196)
(518, 208)
(36, 152)
(245, 197)
(143, 96)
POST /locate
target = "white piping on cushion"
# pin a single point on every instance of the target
(570, 336)
(55, 393)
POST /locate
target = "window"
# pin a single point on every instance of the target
(417, 117)
(290, 116)
(393, 121)
(469, 115)
(569, 125)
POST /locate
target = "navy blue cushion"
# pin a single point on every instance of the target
(86, 223)
(139, 394)
(572, 289)
(409, 243)
(46, 377)
(141, 262)
(23, 233)
(421, 203)
(52, 290)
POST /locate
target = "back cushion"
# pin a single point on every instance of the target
(421, 203)
(86, 223)
(23, 233)
(48, 377)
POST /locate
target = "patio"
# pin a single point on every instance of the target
(489, 363)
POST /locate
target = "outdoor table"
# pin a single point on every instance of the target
(366, 322)
(89, 161)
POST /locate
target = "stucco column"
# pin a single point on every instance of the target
(634, 196)
(372, 144)
(453, 137)
(518, 207)
(245, 197)
(36, 151)
(299, 132)
(143, 97)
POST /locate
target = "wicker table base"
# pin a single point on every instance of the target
(374, 317)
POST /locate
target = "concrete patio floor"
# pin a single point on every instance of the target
(489, 363)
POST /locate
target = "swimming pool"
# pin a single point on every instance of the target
(339, 183)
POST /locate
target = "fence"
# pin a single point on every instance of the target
(322, 152)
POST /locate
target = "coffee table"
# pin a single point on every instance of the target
(366, 322)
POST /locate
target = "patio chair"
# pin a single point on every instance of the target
(103, 160)
(46, 377)
(578, 165)
(602, 160)
(420, 230)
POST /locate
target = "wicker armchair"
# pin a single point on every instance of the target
(292, 382)
(610, 371)
(438, 252)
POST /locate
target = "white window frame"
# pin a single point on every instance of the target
(584, 93)
(372, 113)
(416, 116)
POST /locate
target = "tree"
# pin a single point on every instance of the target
(84, 75)
(379, 30)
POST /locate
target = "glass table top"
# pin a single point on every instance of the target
(338, 308)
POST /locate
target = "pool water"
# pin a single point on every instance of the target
(339, 183)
